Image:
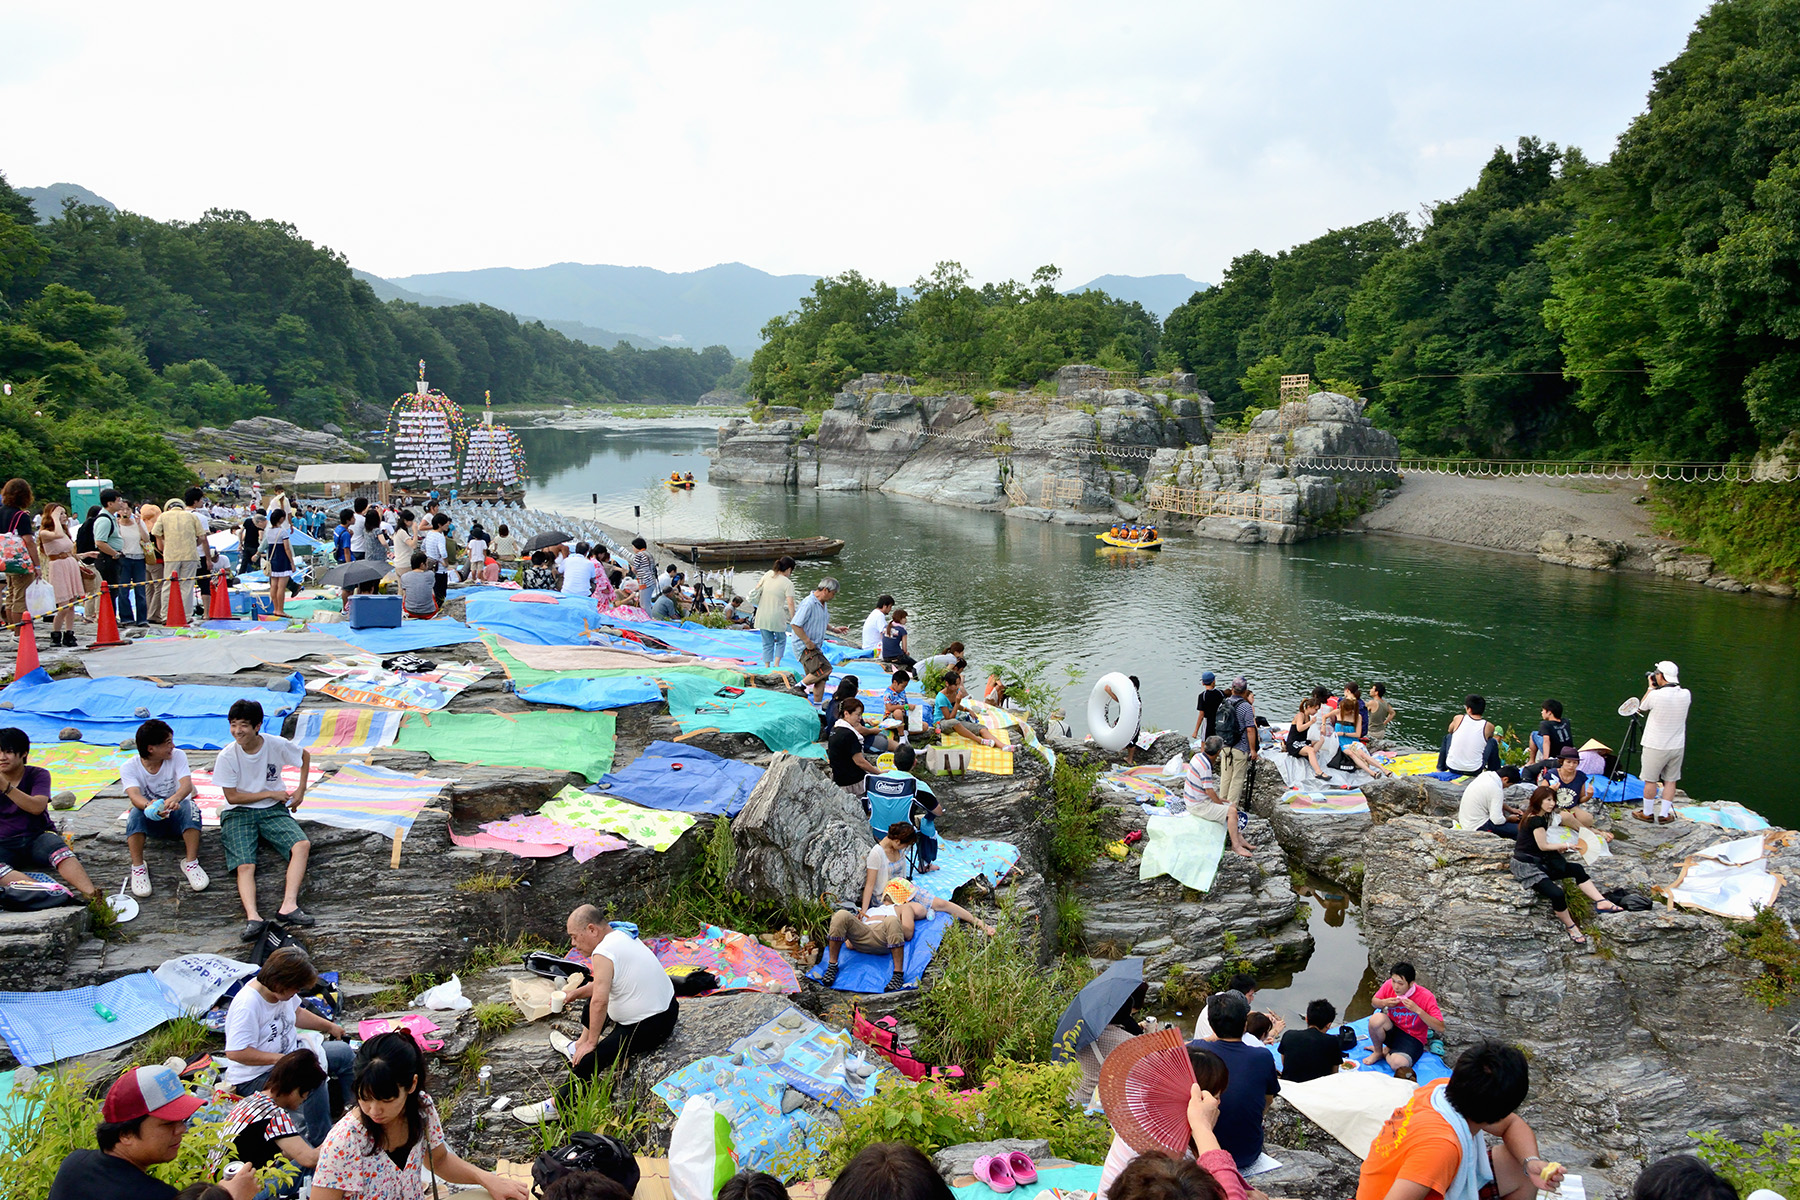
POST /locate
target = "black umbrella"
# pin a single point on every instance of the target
(1096, 1005)
(354, 574)
(547, 539)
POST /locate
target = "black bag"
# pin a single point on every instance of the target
(552, 965)
(1629, 900)
(84, 537)
(14, 898)
(695, 982)
(1347, 1037)
(1231, 724)
(273, 937)
(586, 1152)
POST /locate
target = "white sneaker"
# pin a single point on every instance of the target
(196, 877)
(563, 1044)
(140, 880)
(535, 1114)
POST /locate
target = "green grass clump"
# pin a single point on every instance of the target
(400, 993)
(1766, 940)
(704, 896)
(183, 1038)
(495, 1016)
(1071, 917)
(1076, 820)
(488, 881)
(608, 1105)
(503, 954)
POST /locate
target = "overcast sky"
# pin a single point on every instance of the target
(1134, 138)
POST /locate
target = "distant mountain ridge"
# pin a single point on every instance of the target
(1159, 294)
(47, 202)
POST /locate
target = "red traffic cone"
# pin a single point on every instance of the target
(28, 656)
(176, 609)
(106, 627)
(218, 601)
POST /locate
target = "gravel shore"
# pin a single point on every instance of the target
(1512, 514)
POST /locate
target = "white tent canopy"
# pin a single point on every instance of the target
(328, 473)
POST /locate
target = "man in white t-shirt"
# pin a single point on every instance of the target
(161, 791)
(1665, 705)
(263, 1024)
(578, 572)
(630, 986)
(875, 622)
(258, 807)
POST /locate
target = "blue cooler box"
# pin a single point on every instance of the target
(373, 612)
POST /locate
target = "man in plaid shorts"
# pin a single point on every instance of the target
(258, 807)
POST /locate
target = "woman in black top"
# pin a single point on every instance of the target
(1541, 868)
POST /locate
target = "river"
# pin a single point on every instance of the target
(1433, 621)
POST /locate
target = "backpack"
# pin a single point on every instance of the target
(12, 548)
(1231, 723)
(84, 537)
(586, 1152)
(1629, 900)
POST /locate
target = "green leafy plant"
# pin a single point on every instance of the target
(1182, 992)
(1774, 1163)
(495, 1016)
(1025, 684)
(1765, 939)
(1076, 820)
(931, 678)
(1020, 1100)
(1071, 917)
(992, 999)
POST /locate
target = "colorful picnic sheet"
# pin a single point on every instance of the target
(535, 829)
(551, 741)
(487, 841)
(1423, 763)
(370, 797)
(1184, 848)
(749, 1097)
(1149, 784)
(79, 768)
(593, 810)
(991, 760)
(741, 963)
(675, 777)
(360, 679)
(1726, 814)
(960, 862)
(583, 659)
(105, 710)
(46, 1027)
(812, 1058)
(859, 972)
(1329, 802)
(209, 797)
(346, 730)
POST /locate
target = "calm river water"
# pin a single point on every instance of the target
(1433, 621)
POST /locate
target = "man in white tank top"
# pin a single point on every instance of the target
(1470, 746)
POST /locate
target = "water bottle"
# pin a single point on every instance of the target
(485, 1077)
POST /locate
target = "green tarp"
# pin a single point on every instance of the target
(1184, 848)
(553, 741)
(782, 721)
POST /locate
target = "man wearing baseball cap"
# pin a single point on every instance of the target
(1207, 710)
(142, 1121)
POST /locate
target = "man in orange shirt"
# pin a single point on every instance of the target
(1431, 1147)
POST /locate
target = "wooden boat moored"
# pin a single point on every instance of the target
(756, 550)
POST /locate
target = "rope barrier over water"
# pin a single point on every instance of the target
(1492, 468)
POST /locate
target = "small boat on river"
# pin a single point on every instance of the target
(757, 550)
(1150, 540)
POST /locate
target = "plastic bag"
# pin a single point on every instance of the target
(40, 598)
(445, 996)
(195, 981)
(700, 1155)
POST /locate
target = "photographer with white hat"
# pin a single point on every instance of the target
(1665, 704)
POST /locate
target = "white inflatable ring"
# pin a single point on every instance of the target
(1113, 736)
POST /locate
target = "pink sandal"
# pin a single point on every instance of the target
(1021, 1166)
(992, 1170)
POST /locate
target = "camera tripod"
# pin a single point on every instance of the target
(1632, 742)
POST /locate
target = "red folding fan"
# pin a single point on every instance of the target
(1144, 1088)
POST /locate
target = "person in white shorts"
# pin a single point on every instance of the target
(1665, 705)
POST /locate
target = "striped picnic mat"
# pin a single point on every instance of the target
(209, 797)
(369, 797)
(78, 768)
(346, 730)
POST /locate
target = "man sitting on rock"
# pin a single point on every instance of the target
(1470, 746)
(1407, 1014)
(1484, 807)
(1200, 791)
(629, 986)
(1252, 1084)
(1431, 1147)
(1313, 1052)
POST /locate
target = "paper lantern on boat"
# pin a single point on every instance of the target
(495, 456)
(426, 431)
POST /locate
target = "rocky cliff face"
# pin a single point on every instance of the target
(269, 442)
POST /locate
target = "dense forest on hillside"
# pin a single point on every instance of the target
(113, 326)
(1644, 306)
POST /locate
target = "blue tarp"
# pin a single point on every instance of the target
(680, 778)
(859, 972)
(591, 695)
(116, 698)
(411, 635)
(46, 1027)
(1628, 789)
(532, 623)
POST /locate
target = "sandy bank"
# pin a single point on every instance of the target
(1512, 514)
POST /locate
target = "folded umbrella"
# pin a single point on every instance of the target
(547, 539)
(1096, 1004)
(354, 574)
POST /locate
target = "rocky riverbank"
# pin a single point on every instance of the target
(267, 442)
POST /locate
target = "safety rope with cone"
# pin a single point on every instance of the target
(218, 606)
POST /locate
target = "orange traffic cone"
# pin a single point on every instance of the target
(28, 656)
(176, 609)
(106, 628)
(218, 602)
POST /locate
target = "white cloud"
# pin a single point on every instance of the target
(1135, 138)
